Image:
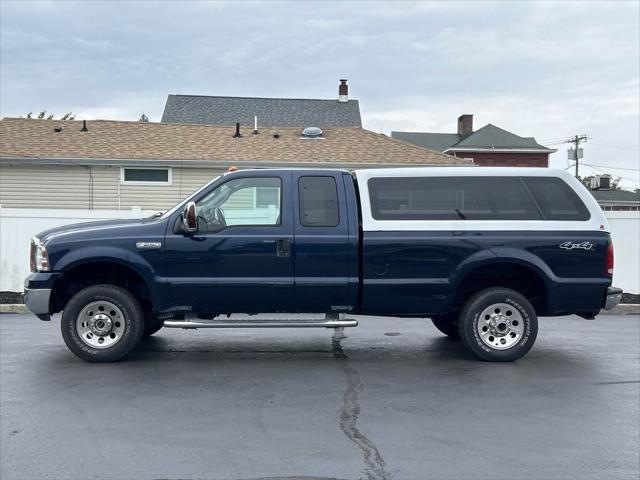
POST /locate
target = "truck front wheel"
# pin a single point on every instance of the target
(102, 323)
(498, 325)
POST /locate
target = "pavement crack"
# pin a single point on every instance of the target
(374, 465)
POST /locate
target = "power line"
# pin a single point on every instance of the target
(622, 147)
(635, 180)
(612, 168)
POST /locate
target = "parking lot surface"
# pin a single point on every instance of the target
(394, 399)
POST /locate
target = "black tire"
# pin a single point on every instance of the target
(511, 309)
(130, 321)
(447, 324)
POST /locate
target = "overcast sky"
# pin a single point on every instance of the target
(549, 70)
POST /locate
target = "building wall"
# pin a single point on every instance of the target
(98, 188)
(497, 159)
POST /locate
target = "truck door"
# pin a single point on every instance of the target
(324, 246)
(239, 260)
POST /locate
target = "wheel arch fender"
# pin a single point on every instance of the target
(128, 260)
(501, 256)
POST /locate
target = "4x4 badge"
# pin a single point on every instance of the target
(571, 245)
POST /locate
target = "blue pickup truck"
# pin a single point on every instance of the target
(482, 252)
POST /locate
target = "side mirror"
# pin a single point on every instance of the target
(189, 218)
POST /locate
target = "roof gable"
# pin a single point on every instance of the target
(271, 112)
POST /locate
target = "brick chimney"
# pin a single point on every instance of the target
(343, 91)
(465, 125)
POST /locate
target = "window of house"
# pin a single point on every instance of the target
(140, 175)
(242, 201)
(266, 196)
(318, 202)
(556, 199)
(450, 198)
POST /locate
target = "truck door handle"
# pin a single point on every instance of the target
(283, 247)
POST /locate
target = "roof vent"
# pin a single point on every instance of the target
(84, 126)
(312, 132)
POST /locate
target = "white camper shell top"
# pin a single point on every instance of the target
(596, 222)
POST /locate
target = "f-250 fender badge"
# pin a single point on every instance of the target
(148, 245)
(572, 245)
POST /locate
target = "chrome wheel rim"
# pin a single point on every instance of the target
(500, 326)
(100, 324)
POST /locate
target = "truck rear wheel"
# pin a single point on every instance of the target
(447, 324)
(498, 325)
(102, 323)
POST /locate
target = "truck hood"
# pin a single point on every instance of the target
(88, 226)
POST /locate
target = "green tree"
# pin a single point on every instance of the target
(143, 118)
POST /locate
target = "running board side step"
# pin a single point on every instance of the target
(259, 323)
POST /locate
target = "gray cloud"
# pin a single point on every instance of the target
(544, 69)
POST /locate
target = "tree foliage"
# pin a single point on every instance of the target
(143, 118)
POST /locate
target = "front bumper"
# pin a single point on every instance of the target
(38, 302)
(614, 295)
(37, 293)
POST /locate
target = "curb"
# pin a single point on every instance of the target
(622, 309)
(13, 308)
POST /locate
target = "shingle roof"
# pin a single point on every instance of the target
(435, 141)
(487, 137)
(106, 139)
(491, 136)
(271, 112)
(613, 196)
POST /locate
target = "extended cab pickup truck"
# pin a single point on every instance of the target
(481, 251)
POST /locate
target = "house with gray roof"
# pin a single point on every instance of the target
(617, 200)
(489, 146)
(269, 112)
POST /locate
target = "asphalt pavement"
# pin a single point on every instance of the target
(395, 399)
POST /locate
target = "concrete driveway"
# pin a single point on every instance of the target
(395, 399)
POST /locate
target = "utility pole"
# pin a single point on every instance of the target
(577, 140)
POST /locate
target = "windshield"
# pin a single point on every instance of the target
(180, 205)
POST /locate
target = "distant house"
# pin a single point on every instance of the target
(113, 165)
(617, 200)
(489, 146)
(269, 112)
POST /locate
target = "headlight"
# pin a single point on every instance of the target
(39, 259)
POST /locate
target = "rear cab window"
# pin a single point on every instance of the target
(318, 201)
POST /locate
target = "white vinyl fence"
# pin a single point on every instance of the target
(17, 226)
(625, 232)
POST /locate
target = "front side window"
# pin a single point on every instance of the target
(450, 198)
(318, 202)
(242, 201)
